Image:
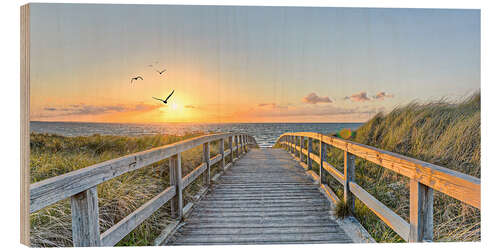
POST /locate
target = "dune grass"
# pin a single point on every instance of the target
(53, 155)
(444, 133)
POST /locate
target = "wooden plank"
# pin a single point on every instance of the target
(165, 233)
(237, 146)
(458, 185)
(301, 148)
(118, 231)
(54, 189)
(25, 123)
(215, 159)
(179, 184)
(189, 178)
(309, 148)
(322, 153)
(173, 182)
(227, 166)
(421, 212)
(349, 176)
(206, 160)
(330, 195)
(85, 218)
(329, 168)
(398, 224)
(222, 153)
(231, 148)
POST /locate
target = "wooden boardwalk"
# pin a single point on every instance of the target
(265, 198)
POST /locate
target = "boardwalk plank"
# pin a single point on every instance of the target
(265, 198)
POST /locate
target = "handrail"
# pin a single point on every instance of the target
(424, 178)
(81, 185)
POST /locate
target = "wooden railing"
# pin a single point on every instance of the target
(81, 186)
(424, 178)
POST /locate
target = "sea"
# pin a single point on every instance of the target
(265, 134)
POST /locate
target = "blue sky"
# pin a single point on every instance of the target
(246, 63)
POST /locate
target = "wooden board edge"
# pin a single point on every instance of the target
(25, 118)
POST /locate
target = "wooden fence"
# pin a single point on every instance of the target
(81, 186)
(424, 179)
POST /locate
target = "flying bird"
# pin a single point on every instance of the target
(136, 78)
(161, 72)
(166, 99)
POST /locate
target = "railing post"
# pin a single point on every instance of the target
(421, 212)
(349, 171)
(231, 149)
(178, 175)
(309, 148)
(222, 161)
(290, 144)
(173, 182)
(85, 218)
(301, 147)
(293, 145)
(322, 157)
(242, 144)
(206, 159)
(237, 146)
(243, 149)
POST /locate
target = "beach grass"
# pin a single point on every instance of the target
(443, 133)
(53, 155)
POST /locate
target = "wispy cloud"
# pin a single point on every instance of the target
(272, 105)
(361, 97)
(83, 109)
(313, 98)
(382, 95)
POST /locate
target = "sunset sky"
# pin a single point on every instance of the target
(245, 64)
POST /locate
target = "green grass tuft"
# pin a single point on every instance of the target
(341, 209)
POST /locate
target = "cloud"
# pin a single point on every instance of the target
(83, 109)
(382, 95)
(266, 104)
(272, 105)
(189, 106)
(313, 98)
(361, 97)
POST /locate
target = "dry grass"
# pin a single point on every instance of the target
(53, 155)
(444, 133)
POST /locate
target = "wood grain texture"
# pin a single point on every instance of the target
(25, 124)
(398, 224)
(460, 186)
(421, 212)
(173, 182)
(349, 176)
(85, 218)
(189, 178)
(118, 231)
(265, 198)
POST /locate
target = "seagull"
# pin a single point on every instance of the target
(166, 99)
(136, 78)
(161, 72)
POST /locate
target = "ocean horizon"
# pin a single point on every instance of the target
(265, 134)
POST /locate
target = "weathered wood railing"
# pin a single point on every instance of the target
(424, 178)
(81, 186)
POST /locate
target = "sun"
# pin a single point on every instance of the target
(174, 106)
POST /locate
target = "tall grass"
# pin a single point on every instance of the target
(53, 155)
(442, 132)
